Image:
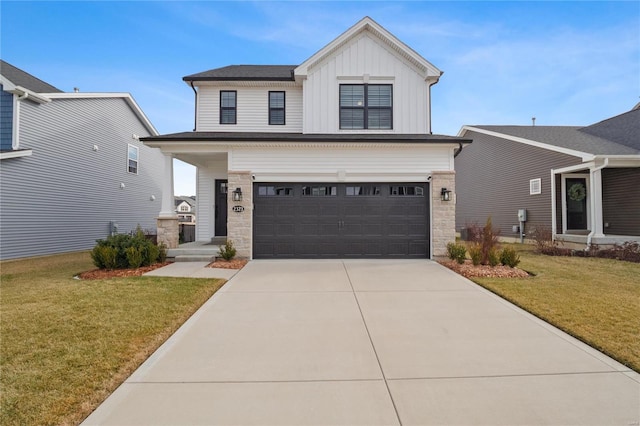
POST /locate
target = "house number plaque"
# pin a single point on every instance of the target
(238, 209)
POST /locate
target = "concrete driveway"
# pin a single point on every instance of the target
(364, 342)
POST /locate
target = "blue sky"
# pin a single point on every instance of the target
(566, 63)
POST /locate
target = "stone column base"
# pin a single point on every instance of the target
(443, 212)
(168, 232)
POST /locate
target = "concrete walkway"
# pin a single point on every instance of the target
(362, 342)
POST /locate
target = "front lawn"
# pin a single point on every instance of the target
(595, 300)
(66, 344)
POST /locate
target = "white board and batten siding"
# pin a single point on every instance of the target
(63, 197)
(365, 60)
(252, 109)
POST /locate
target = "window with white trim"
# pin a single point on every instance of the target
(535, 186)
(366, 106)
(184, 208)
(132, 159)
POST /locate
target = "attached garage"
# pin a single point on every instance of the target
(341, 220)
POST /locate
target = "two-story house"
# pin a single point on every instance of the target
(185, 209)
(72, 167)
(330, 158)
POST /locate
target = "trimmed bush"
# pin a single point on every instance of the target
(134, 256)
(122, 251)
(162, 252)
(457, 252)
(227, 251)
(509, 257)
(493, 258)
(475, 252)
(104, 257)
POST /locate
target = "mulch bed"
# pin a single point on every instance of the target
(228, 264)
(468, 270)
(101, 274)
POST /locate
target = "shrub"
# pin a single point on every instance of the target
(104, 257)
(475, 252)
(544, 242)
(509, 257)
(493, 258)
(486, 237)
(227, 251)
(457, 252)
(121, 251)
(134, 256)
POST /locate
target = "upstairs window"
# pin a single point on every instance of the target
(184, 208)
(276, 108)
(228, 106)
(132, 159)
(366, 106)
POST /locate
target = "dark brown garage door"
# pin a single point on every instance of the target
(330, 220)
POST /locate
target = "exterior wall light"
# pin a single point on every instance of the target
(445, 194)
(237, 194)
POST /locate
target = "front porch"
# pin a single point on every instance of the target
(580, 241)
(197, 251)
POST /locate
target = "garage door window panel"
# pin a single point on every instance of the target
(275, 191)
(320, 191)
(363, 190)
(406, 191)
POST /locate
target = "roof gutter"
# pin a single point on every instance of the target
(459, 150)
(195, 118)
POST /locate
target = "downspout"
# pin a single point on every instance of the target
(593, 201)
(458, 151)
(16, 124)
(195, 118)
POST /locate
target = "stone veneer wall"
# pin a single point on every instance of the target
(443, 212)
(240, 225)
(168, 232)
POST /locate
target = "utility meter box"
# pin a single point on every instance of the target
(522, 215)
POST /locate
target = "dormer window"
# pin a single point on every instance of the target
(366, 106)
(228, 100)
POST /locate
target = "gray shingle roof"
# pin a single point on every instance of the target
(571, 137)
(246, 73)
(303, 137)
(26, 80)
(623, 129)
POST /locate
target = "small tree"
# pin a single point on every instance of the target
(227, 251)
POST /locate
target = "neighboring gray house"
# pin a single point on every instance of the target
(72, 167)
(583, 183)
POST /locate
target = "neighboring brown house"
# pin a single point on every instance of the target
(581, 182)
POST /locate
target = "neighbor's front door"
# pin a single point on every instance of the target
(221, 208)
(576, 197)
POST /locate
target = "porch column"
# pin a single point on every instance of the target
(443, 226)
(240, 219)
(596, 203)
(167, 221)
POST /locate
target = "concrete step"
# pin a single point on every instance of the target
(196, 251)
(194, 258)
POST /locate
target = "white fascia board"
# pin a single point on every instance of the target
(366, 23)
(16, 153)
(103, 95)
(584, 156)
(574, 168)
(8, 86)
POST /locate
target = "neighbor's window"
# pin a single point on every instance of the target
(319, 191)
(228, 106)
(535, 186)
(366, 106)
(363, 190)
(184, 208)
(411, 191)
(276, 108)
(275, 191)
(132, 157)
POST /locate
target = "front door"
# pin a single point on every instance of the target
(576, 198)
(221, 208)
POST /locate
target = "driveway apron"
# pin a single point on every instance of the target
(369, 342)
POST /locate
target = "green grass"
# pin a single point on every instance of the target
(66, 344)
(594, 300)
